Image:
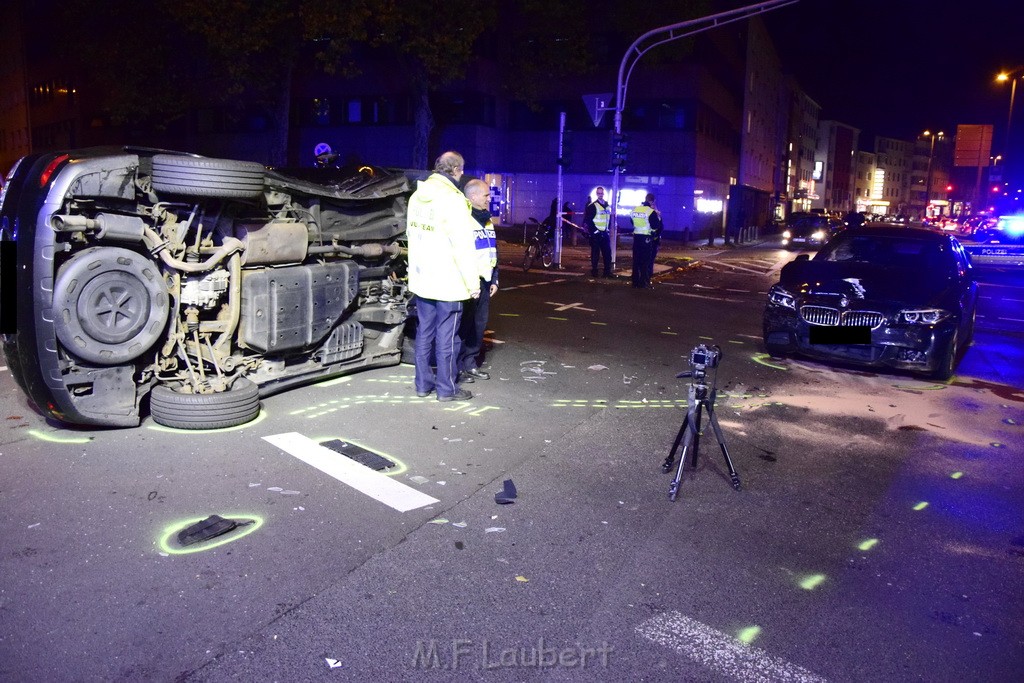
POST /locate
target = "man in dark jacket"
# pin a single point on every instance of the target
(474, 316)
(597, 219)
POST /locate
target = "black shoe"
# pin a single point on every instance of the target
(424, 394)
(608, 275)
(464, 378)
(460, 395)
(478, 373)
(593, 273)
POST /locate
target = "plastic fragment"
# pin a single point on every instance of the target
(417, 479)
(522, 579)
(332, 663)
(494, 530)
(439, 520)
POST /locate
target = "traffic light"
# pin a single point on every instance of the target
(620, 148)
(564, 160)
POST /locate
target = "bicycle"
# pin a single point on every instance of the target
(539, 246)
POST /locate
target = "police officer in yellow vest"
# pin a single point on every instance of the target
(443, 273)
(596, 219)
(647, 227)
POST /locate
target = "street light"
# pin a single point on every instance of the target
(1002, 78)
(928, 181)
(641, 46)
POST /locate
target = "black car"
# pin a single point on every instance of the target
(193, 286)
(808, 230)
(879, 296)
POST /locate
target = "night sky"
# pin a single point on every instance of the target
(898, 67)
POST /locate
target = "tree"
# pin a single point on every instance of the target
(433, 42)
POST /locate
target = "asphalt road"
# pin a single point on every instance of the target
(877, 534)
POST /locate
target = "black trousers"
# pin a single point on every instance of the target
(473, 326)
(601, 244)
(643, 260)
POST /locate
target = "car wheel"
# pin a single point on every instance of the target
(237, 405)
(201, 177)
(775, 351)
(110, 305)
(947, 360)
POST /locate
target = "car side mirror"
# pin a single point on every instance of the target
(802, 257)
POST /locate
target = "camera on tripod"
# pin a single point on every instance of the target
(702, 357)
(701, 398)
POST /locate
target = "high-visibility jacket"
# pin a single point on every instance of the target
(442, 246)
(641, 216)
(486, 247)
(602, 215)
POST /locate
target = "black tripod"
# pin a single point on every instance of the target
(689, 432)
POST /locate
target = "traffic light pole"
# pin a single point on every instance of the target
(558, 199)
(638, 49)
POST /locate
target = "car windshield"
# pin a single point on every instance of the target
(883, 250)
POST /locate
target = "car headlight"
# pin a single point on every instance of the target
(818, 235)
(786, 234)
(923, 316)
(780, 297)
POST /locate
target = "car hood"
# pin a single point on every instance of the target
(825, 282)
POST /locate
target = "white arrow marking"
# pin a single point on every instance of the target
(378, 486)
(720, 652)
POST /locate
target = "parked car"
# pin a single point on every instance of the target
(808, 230)
(893, 297)
(1007, 229)
(194, 286)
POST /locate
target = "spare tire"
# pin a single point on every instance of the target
(110, 305)
(202, 177)
(237, 405)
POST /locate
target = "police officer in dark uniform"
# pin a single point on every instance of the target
(647, 227)
(596, 219)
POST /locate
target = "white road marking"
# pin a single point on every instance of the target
(720, 652)
(709, 298)
(565, 307)
(378, 486)
(739, 291)
(740, 268)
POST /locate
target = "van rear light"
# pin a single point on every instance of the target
(44, 177)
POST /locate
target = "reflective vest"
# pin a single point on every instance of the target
(642, 220)
(486, 250)
(602, 216)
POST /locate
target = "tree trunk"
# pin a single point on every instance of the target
(278, 148)
(423, 119)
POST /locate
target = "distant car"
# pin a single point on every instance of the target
(805, 230)
(1008, 229)
(193, 286)
(893, 297)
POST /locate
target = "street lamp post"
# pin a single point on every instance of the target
(928, 175)
(652, 39)
(1002, 78)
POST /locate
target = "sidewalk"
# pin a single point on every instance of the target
(672, 254)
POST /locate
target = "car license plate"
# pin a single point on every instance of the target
(846, 334)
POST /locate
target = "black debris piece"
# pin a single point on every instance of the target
(211, 527)
(507, 495)
(359, 454)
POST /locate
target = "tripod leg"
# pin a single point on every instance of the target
(725, 451)
(687, 436)
(696, 433)
(667, 465)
